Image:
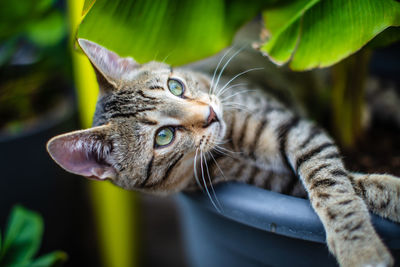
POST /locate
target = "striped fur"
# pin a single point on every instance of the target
(255, 140)
(340, 198)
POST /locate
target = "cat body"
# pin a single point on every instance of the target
(162, 130)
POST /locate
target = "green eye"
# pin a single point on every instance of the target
(176, 87)
(165, 136)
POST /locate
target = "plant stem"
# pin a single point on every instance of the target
(349, 78)
(115, 210)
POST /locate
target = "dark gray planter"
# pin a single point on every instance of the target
(261, 228)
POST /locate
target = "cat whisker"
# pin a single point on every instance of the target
(237, 75)
(231, 103)
(237, 93)
(239, 109)
(219, 168)
(155, 55)
(230, 87)
(234, 104)
(166, 57)
(195, 170)
(211, 184)
(205, 183)
(223, 152)
(237, 106)
(220, 142)
(215, 71)
(228, 150)
(226, 64)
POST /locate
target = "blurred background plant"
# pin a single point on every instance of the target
(34, 62)
(22, 241)
(36, 103)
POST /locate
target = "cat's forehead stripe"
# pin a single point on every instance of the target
(128, 103)
(130, 114)
(148, 122)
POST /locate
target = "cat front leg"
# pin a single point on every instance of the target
(271, 135)
(313, 156)
(381, 193)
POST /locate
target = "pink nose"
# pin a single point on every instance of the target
(212, 117)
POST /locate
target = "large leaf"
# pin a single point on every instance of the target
(321, 33)
(279, 18)
(87, 6)
(283, 24)
(176, 31)
(22, 238)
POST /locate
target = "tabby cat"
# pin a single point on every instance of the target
(161, 130)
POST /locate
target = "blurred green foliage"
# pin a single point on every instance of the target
(18, 16)
(36, 21)
(34, 61)
(22, 241)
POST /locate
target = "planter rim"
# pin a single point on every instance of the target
(278, 213)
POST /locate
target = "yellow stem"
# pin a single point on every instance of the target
(349, 77)
(115, 209)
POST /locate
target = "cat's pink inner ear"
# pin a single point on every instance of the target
(108, 63)
(82, 153)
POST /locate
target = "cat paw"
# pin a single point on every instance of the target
(381, 194)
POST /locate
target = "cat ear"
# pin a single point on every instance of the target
(108, 65)
(84, 152)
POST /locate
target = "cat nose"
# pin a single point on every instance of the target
(212, 117)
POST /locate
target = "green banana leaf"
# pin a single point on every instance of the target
(174, 31)
(314, 33)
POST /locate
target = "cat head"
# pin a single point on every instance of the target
(149, 123)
